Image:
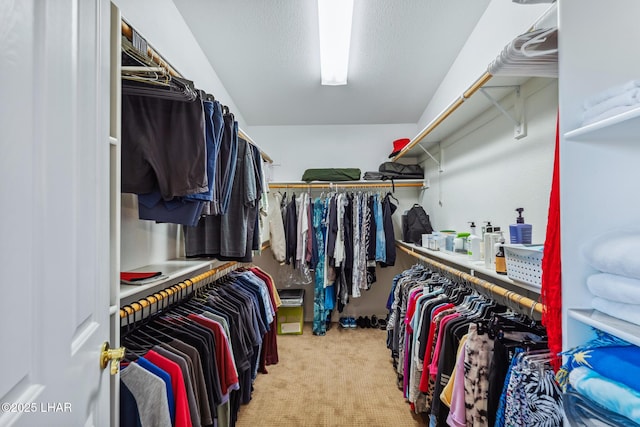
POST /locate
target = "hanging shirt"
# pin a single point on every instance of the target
(277, 237)
(150, 394)
(183, 416)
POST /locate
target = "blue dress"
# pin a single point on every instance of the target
(319, 228)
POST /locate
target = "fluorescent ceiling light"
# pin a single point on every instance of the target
(334, 18)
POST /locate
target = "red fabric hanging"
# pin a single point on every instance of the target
(551, 293)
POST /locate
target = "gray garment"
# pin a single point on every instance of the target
(150, 393)
(194, 412)
(200, 385)
(234, 226)
(225, 326)
(229, 235)
(224, 410)
(276, 229)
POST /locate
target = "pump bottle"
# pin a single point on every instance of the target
(474, 244)
(501, 262)
(520, 232)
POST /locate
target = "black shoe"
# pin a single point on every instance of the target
(367, 322)
(382, 324)
(360, 322)
(374, 321)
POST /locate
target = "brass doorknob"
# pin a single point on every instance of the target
(111, 354)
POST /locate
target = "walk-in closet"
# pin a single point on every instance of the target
(209, 219)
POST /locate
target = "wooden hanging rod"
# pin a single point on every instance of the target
(331, 185)
(446, 113)
(519, 300)
(127, 31)
(247, 138)
(177, 289)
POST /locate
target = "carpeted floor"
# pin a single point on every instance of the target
(344, 378)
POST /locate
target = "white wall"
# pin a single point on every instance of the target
(487, 173)
(296, 148)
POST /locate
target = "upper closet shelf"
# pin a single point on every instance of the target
(398, 183)
(151, 61)
(533, 54)
(172, 271)
(620, 127)
(625, 330)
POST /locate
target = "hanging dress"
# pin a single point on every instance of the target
(319, 227)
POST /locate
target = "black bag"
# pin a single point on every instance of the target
(392, 170)
(414, 224)
(373, 176)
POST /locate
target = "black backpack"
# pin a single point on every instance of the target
(415, 223)
(392, 170)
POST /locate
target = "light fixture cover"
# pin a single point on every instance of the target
(334, 19)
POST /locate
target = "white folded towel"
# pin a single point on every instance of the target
(630, 97)
(610, 93)
(614, 287)
(627, 312)
(616, 252)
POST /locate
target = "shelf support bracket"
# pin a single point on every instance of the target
(432, 158)
(519, 122)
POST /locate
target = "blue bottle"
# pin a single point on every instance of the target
(520, 232)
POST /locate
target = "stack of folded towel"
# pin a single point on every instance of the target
(604, 376)
(616, 288)
(613, 101)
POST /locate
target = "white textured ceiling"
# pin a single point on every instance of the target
(266, 55)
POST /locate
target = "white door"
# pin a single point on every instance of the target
(54, 212)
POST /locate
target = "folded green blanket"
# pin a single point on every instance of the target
(331, 174)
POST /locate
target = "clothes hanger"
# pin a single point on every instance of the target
(545, 39)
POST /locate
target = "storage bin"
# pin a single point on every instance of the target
(524, 263)
(291, 312)
(291, 297)
(290, 320)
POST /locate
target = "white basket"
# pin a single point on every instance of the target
(524, 263)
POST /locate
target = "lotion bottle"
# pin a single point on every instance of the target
(475, 243)
(501, 262)
(520, 232)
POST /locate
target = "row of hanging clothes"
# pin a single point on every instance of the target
(340, 237)
(194, 362)
(463, 359)
(182, 156)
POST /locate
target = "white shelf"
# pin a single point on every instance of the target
(475, 267)
(620, 127)
(174, 269)
(621, 329)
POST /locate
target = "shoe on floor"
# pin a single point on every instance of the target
(374, 321)
(344, 322)
(382, 324)
(352, 322)
(360, 322)
(367, 322)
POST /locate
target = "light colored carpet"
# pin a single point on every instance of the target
(344, 378)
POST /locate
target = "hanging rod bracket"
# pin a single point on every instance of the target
(519, 121)
(432, 158)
